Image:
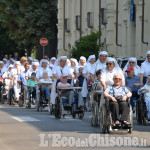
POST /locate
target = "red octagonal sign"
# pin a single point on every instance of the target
(43, 41)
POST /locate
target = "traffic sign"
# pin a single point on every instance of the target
(43, 41)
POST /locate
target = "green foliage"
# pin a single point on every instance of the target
(87, 45)
(28, 20)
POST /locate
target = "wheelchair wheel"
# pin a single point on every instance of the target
(103, 115)
(130, 119)
(21, 102)
(81, 115)
(138, 112)
(94, 118)
(37, 105)
(58, 106)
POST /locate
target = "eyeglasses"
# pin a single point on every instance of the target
(118, 79)
(131, 62)
(109, 64)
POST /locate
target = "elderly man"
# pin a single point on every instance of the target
(133, 84)
(118, 95)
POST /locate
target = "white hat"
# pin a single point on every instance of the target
(10, 66)
(5, 59)
(1, 62)
(35, 63)
(103, 53)
(148, 52)
(17, 62)
(91, 57)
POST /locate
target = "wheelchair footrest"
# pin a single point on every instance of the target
(116, 127)
(67, 107)
(79, 111)
(124, 126)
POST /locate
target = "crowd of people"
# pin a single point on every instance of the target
(103, 73)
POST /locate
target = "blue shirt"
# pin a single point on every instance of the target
(130, 81)
(22, 77)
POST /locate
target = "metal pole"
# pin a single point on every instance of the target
(43, 51)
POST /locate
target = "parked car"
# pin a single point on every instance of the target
(123, 60)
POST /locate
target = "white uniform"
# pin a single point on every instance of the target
(59, 71)
(107, 76)
(98, 65)
(39, 73)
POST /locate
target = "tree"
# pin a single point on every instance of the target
(28, 20)
(87, 45)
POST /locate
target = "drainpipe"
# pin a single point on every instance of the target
(117, 24)
(64, 37)
(143, 23)
(80, 19)
(99, 20)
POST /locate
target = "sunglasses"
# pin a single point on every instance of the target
(109, 64)
(131, 62)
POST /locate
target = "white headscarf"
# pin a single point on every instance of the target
(75, 61)
(127, 64)
(30, 58)
(103, 53)
(113, 60)
(146, 61)
(43, 61)
(50, 62)
(57, 62)
(82, 57)
(90, 57)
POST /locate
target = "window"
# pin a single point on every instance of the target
(77, 22)
(103, 16)
(67, 25)
(90, 19)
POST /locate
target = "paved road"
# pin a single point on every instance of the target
(25, 129)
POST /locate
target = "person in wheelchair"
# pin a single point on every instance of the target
(118, 95)
(70, 94)
(132, 82)
(146, 90)
(46, 79)
(31, 84)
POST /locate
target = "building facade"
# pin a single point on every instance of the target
(125, 25)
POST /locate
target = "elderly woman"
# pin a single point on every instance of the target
(46, 79)
(43, 67)
(118, 96)
(132, 62)
(145, 71)
(112, 68)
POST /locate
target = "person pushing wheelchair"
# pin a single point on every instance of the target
(118, 104)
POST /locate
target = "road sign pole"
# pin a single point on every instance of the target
(43, 51)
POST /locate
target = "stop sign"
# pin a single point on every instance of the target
(43, 41)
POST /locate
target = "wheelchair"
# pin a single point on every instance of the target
(141, 111)
(41, 101)
(106, 122)
(21, 97)
(95, 108)
(11, 96)
(32, 97)
(3, 93)
(62, 106)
